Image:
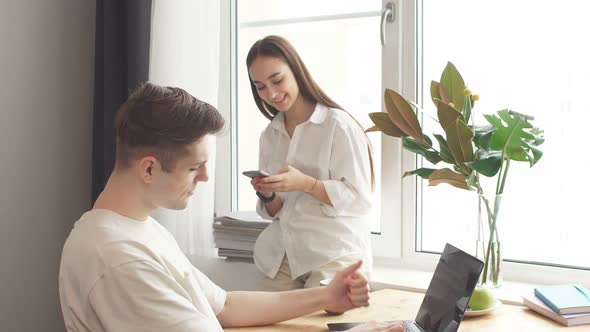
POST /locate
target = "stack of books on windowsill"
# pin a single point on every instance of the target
(235, 234)
(566, 304)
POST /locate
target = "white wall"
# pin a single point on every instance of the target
(46, 101)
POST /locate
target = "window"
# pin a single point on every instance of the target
(339, 43)
(534, 62)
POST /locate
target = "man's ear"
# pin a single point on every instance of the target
(148, 166)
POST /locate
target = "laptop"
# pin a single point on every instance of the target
(447, 296)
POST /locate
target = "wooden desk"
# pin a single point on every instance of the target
(391, 304)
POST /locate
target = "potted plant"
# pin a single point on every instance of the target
(470, 150)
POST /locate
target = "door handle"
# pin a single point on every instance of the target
(387, 15)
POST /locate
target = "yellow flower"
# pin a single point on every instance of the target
(467, 92)
(475, 97)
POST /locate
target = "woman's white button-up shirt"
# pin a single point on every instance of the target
(333, 148)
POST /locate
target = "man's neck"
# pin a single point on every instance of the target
(124, 197)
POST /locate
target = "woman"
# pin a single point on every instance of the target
(319, 197)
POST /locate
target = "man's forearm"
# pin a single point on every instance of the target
(264, 308)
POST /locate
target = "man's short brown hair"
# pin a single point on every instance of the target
(162, 121)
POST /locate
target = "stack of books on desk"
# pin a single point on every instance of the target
(235, 234)
(567, 304)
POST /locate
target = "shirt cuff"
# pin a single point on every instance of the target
(340, 196)
(261, 209)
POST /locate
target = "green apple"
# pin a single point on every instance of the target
(482, 298)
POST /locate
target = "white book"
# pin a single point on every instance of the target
(539, 306)
(236, 245)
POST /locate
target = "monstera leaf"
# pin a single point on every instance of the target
(515, 136)
(487, 163)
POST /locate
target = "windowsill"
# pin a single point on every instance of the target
(388, 276)
(384, 275)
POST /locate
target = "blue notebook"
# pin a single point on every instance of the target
(565, 299)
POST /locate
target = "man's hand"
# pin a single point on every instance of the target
(378, 327)
(287, 179)
(349, 289)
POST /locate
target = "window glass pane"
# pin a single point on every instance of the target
(343, 56)
(256, 10)
(532, 57)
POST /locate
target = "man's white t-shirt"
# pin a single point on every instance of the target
(121, 274)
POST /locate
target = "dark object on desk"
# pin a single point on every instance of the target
(446, 298)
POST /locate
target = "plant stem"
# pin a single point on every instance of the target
(488, 249)
(498, 183)
(505, 175)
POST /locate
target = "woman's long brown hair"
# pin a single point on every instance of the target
(278, 47)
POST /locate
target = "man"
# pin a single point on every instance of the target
(122, 271)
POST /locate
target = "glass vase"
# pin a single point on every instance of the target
(488, 245)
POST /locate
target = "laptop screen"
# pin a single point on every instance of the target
(449, 291)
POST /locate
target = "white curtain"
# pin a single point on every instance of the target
(184, 52)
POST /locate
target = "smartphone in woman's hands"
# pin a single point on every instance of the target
(256, 174)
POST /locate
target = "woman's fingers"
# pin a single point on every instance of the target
(273, 183)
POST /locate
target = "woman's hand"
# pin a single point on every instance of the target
(256, 182)
(288, 179)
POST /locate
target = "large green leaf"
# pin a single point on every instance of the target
(434, 91)
(444, 95)
(428, 140)
(488, 162)
(421, 172)
(467, 108)
(438, 93)
(472, 181)
(454, 85)
(447, 176)
(418, 147)
(447, 114)
(445, 153)
(383, 123)
(402, 115)
(482, 136)
(459, 138)
(515, 136)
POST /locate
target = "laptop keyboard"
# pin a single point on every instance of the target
(409, 326)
